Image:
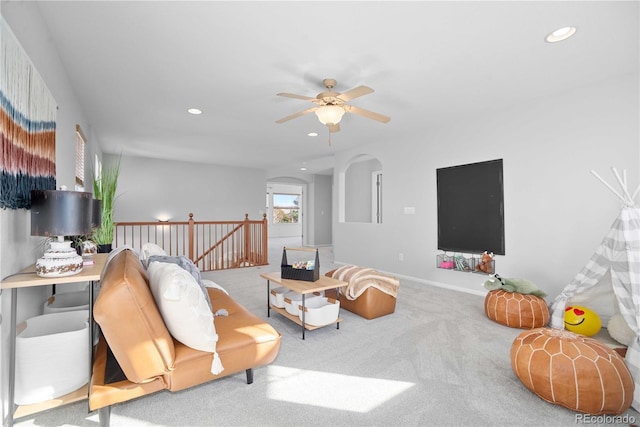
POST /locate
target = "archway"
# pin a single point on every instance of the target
(361, 190)
(285, 208)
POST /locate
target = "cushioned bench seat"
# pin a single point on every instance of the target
(371, 303)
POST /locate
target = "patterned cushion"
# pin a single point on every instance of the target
(516, 310)
(571, 370)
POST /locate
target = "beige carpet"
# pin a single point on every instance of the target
(437, 361)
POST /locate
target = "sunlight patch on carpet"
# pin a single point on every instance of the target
(330, 390)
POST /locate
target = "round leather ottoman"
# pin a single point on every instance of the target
(571, 370)
(516, 310)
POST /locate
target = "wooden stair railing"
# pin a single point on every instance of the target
(211, 245)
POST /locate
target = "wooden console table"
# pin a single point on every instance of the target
(25, 279)
(302, 287)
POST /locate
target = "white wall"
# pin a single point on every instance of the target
(556, 212)
(320, 209)
(17, 248)
(149, 189)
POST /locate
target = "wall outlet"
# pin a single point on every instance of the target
(400, 256)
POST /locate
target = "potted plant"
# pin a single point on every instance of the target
(105, 184)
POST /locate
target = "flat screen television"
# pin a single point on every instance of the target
(471, 208)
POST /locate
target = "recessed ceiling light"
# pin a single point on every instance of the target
(560, 34)
(194, 111)
(312, 134)
(303, 168)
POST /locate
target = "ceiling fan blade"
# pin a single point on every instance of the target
(334, 128)
(366, 113)
(292, 95)
(355, 92)
(298, 114)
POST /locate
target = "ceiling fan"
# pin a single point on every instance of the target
(330, 106)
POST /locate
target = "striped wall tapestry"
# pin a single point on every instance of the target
(27, 127)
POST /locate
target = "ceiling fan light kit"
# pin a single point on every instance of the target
(330, 114)
(330, 106)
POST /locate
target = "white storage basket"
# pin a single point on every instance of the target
(276, 297)
(293, 299)
(67, 301)
(52, 356)
(320, 311)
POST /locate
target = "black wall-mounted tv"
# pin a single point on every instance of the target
(471, 208)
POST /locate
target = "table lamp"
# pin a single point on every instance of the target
(58, 214)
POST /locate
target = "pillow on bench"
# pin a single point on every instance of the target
(184, 310)
(187, 265)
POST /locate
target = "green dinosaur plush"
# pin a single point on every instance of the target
(521, 286)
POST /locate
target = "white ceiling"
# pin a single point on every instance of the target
(138, 66)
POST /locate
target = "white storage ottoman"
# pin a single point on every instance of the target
(52, 356)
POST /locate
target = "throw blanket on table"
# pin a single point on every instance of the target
(361, 278)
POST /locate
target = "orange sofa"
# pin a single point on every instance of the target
(136, 355)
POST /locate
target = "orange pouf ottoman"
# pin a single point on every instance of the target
(516, 310)
(571, 370)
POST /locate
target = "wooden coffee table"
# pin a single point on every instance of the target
(304, 288)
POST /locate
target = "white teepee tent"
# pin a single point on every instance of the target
(612, 274)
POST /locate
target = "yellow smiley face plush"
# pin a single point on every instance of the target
(582, 320)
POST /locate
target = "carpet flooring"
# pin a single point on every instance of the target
(437, 361)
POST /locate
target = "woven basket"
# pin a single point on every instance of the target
(68, 301)
(52, 356)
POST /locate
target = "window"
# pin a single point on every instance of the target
(80, 148)
(286, 208)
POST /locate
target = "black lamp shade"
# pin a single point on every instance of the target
(60, 213)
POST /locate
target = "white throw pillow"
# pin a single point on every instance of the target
(620, 330)
(186, 314)
(149, 249)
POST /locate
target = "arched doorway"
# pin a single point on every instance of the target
(361, 190)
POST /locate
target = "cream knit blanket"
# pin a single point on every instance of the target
(361, 278)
